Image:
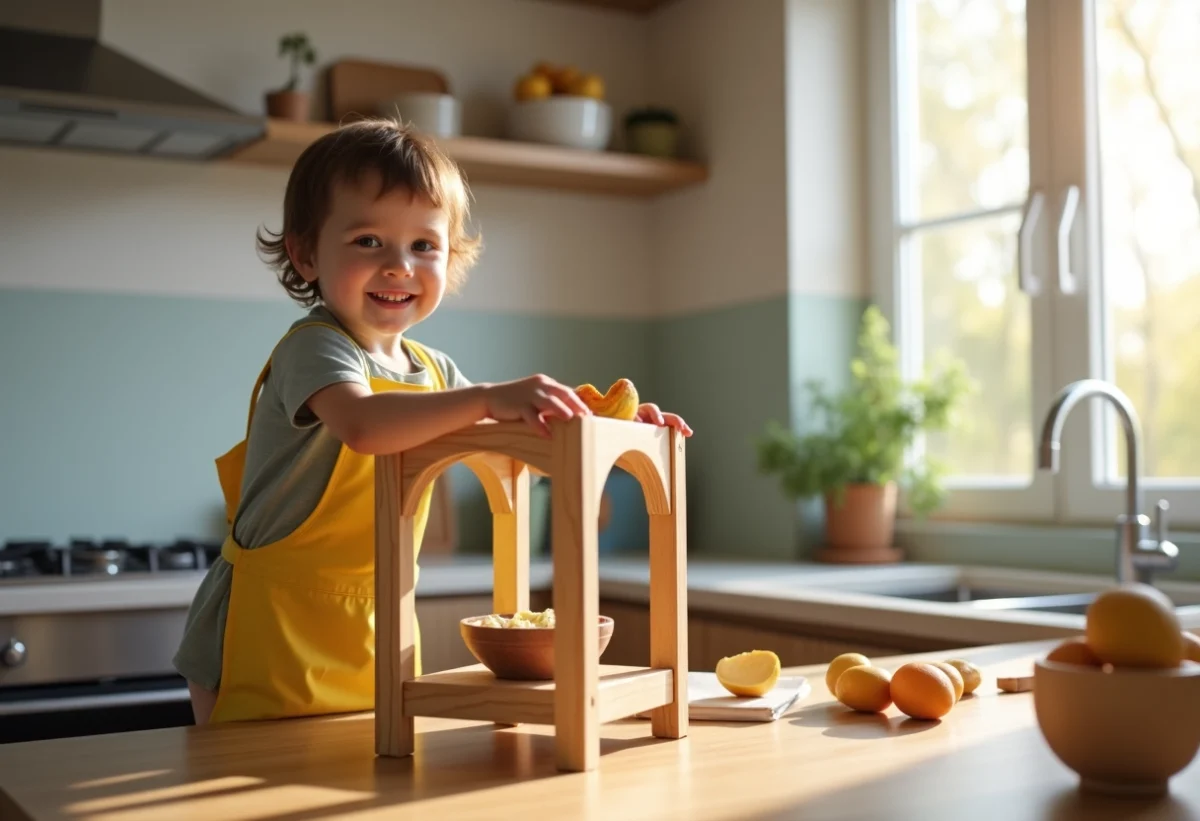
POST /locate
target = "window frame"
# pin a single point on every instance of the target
(1062, 105)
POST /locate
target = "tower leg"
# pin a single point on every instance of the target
(395, 610)
(574, 515)
(510, 545)
(668, 599)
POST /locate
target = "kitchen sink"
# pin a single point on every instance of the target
(999, 598)
(994, 598)
(969, 589)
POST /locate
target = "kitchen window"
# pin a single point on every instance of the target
(1034, 172)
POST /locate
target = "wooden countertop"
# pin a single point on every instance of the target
(985, 760)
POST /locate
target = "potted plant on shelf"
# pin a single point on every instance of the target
(653, 131)
(857, 453)
(289, 103)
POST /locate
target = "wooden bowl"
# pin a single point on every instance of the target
(1124, 731)
(520, 653)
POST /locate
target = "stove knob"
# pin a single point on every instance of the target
(12, 654)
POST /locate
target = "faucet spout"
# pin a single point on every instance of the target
(1068, 398)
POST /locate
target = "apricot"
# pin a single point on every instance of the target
(1134, 625)
(956, 679)
(971, 676)
(839, 665)
(1074, 651)
(865, 688)
(922, 691)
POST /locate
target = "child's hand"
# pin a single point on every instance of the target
(649, 412)
(534, 399)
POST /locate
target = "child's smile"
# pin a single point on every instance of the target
(392, 299)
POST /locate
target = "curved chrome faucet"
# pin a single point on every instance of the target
(1138, 557)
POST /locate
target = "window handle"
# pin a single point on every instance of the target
(1068, 283)
(1026, 278)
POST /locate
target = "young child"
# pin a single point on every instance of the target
(374, 234)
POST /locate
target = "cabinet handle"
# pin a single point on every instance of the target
(1027, 280)
(1068, 283)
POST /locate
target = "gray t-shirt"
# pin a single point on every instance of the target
(290, 456)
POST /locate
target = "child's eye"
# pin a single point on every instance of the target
(368, 242)
(424, 246)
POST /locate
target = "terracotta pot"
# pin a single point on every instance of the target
(288, 105)
(859, 527)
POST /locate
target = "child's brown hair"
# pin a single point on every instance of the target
(402, 159)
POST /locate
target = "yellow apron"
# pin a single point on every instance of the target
(300, 631)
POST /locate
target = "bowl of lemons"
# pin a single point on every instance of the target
(1120, 705)
(520, 646)
(561, 105)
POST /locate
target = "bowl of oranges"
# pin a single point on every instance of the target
(560, 105)
(1120, 705)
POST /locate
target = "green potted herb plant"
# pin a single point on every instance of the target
(290, 103)
(856, 451)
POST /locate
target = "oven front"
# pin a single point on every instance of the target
(69, 674)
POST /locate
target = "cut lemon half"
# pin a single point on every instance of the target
(752, 673)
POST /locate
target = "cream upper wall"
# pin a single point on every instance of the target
(826, 134)
(769, 91)
(720, 64)
(92, 222)
(481, 46)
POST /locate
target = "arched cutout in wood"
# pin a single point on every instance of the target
(650, 475)
(494, 471)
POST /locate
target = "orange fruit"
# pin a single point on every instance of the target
(922, 690)
(1191, 646)
(956, 679)
(752, 673)
(532, 87)
(865, 688)
(1074, 651)
(839, 665)
(1134, 625)
(971, 676)
(563, 78)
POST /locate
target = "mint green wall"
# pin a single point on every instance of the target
(728, 371)
(115, 405)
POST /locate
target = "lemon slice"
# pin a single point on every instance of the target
(752, 673)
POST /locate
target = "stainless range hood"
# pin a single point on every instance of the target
(61, 87)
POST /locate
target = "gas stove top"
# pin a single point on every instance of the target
(109, 557)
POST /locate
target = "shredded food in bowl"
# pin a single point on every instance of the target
(524, 619)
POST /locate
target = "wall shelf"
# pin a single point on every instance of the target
(634, 6)
(507, 162)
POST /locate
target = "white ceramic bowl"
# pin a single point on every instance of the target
(438, 115)
(578, 122)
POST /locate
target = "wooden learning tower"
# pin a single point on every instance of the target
(584, 694)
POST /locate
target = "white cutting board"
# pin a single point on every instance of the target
(709, 701)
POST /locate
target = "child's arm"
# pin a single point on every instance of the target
(393, 421)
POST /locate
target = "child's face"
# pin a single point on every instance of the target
(380, 261)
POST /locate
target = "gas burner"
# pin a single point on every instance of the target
(20, 558)
(85, 556)
(104, 557)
